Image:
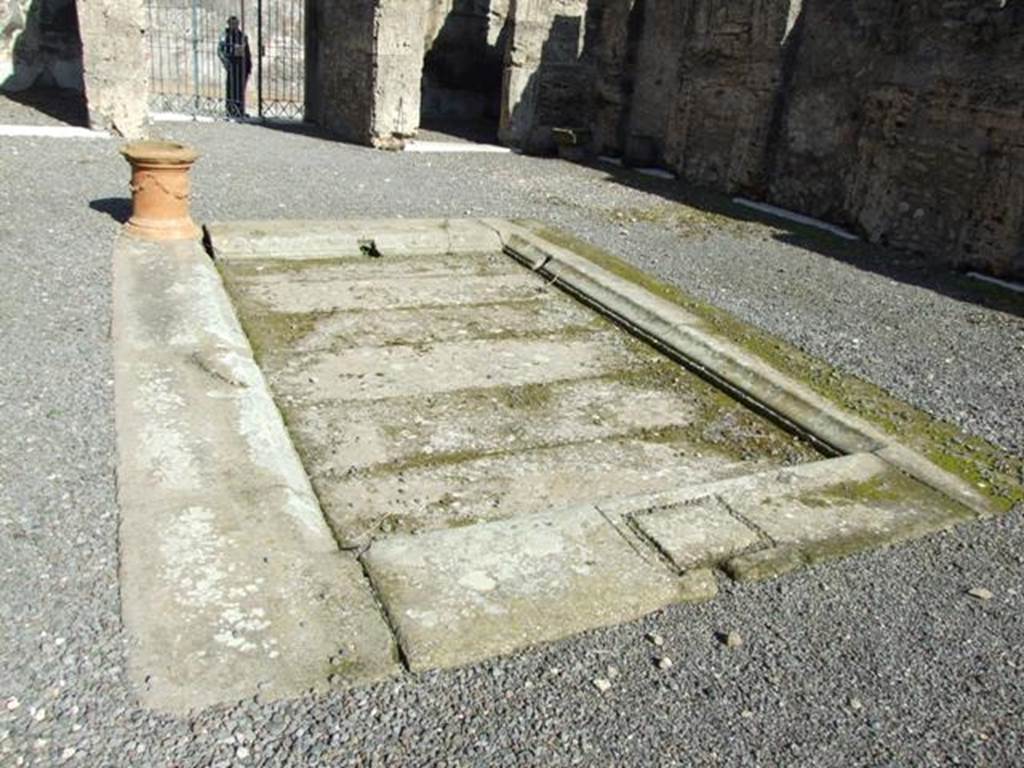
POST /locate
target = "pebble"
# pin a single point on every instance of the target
(856, 704)
(656, 639)
(602, 684)
(613, 672)
(731, 639)
(664, 663)
(241, 753)
(13, 704)
(981, 593)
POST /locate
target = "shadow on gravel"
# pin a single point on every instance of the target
(720, 212)
(62, 104)
(117, 208)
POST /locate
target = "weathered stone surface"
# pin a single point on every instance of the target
(457, 491)
(486, 392)
(361, 434)
(115, 64)
(231, 583)
(465, 594)
(387, 293)
(306, 240)
(340, 74)
(716, 106)
(863, 503)
(919, 154)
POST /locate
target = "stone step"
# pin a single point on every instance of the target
(362, 268)
(766, 523)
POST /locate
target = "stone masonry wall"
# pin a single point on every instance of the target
(340, 52)
(901, 119)
(95, 46)
(907, 120)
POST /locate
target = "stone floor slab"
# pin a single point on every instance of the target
(460, 492)
(417, 326)
(473, 422)
(460, 595)
(294, 296)
(375, 373)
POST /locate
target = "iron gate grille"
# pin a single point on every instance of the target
(186, 72)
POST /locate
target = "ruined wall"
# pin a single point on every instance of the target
(907, 120)
(364, 61)
(399, 26)
(708, 78)
(612, 50)
(545, 82)
(901, 119)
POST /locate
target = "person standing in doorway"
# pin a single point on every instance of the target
(233, 52)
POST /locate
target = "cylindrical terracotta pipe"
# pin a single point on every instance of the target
(160, 190)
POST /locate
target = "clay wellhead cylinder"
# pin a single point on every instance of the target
(161, 192)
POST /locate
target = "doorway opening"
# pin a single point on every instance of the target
(462, 68)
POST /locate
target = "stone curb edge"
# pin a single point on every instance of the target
(684, 337)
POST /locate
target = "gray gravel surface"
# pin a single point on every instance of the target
(881, 659)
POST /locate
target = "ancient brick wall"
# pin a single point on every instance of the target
(902, 119)
(906, 119)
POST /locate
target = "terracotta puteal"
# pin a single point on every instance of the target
(160, 190)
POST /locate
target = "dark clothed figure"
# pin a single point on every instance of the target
(233, 52)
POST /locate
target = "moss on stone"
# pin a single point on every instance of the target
(885, 488)
(995, 473)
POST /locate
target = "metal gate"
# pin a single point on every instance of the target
(188, 76)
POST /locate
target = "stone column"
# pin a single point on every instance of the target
(365, 58)
(399, 52)
(115, 64)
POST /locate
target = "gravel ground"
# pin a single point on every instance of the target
(880, 659)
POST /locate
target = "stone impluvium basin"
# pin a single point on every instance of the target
(492, 441)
